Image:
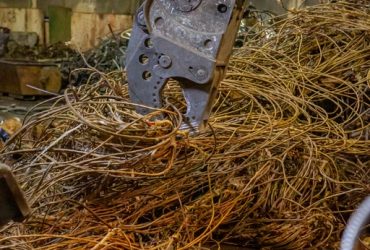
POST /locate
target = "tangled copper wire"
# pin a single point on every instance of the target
(283, 162)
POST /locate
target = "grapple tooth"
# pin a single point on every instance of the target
(13, 205)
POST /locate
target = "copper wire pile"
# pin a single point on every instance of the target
(284, 161)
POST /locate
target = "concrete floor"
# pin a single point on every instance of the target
(11, 107)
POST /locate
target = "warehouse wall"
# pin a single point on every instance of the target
(90, 19)
(96, 6)
(23, 19)
(129, 6)
(16, 3)
(88, 28)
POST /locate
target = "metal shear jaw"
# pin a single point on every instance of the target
(190, 41)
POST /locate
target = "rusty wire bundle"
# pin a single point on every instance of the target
(284, 160)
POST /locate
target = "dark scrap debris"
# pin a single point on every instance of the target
(106, 57)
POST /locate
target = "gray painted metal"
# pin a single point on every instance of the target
(29, 39)
(190, 41)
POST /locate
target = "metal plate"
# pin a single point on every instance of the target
(13, 206)
(187, 40)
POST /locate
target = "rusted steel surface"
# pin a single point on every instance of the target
(13, 206)
(16, 77)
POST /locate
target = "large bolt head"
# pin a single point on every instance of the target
(201, 74)
(165, 61)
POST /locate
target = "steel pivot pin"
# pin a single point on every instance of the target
(165, 61)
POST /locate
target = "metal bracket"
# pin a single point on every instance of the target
(13, 206)
(190, 41)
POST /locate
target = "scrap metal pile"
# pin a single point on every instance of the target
(106, 57)
(283, 162)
